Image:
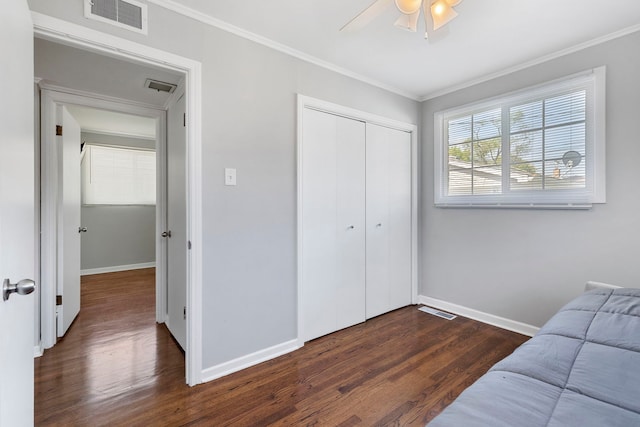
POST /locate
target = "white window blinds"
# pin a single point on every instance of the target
(541, 146)
(118, 176)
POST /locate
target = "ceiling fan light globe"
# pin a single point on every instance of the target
(441, 13)
(453, 2)
(408, 7)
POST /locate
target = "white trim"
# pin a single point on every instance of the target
(45, 84)
(248, 360)
(351, 113)
(328, 107)
(118, 134)
(116, 268)
(65, 32)
(591, 81)
(533, 62)
(490, 319)
(37, 219)
(49, 193)
(240, 32)
(175, 95)
(591, 285)
(37, 350)
(48, 221)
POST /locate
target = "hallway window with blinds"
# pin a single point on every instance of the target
(543, 146)
(118, 176)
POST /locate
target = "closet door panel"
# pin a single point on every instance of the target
(319, 240)
(378, 226)
(333, 238)
(350, 227)
(388, 213)
(399, 218)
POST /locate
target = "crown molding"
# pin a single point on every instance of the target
(537, 61)
(225, 26)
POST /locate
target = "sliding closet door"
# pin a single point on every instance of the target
(388, 207)
(333, 223)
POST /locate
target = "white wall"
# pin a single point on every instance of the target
(249, 123)
(117, 235)
(525, 264)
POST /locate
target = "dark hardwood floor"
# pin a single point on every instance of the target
(115, 366)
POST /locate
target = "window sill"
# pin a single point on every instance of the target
(542, 206)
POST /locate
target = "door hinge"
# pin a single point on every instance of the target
(58, 130)
(189, 244)
(184, 119)
(185, 313)
(58, 299)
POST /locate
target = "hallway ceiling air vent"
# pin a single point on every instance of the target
(160, 86)
(128, 14)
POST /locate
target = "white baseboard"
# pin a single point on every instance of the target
(500, 322)
(115, 268)
(252, 359)
(591, 285)
(38, 350)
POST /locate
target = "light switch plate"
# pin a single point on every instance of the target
(229, 176)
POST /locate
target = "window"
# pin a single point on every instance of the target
(543, 146)
(118, 176)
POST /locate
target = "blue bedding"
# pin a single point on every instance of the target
(581, 369)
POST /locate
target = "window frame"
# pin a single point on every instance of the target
(593, 82)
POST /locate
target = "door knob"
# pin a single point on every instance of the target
(82, 229)
(166, 234)
(23, 287)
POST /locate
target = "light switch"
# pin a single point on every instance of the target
(229, 176)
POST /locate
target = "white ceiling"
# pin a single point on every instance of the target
(79, 69)
(109, 122)
(487, 38)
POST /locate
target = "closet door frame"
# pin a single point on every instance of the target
(350, 113)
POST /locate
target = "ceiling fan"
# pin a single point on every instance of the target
(441, 11)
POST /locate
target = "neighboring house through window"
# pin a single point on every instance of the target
(542, 146)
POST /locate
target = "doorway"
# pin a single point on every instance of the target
(71, 96)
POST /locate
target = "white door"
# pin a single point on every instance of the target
(176, 222)
(69, 226)
(17, 208)
(333, 219)
(388, 219)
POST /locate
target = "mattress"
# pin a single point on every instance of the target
(581, 369)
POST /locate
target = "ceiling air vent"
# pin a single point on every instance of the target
(160, 86)
(128, 14)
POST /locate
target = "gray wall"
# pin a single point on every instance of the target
(249, 123)
(117, 235)
(525, 264)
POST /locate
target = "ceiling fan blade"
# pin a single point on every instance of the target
(408, 22)
(366, 16)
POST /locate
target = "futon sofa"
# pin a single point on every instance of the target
(581, 369)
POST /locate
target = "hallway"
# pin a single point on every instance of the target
(113, 359)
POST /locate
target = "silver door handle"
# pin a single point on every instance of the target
(23, 287)
(351, 227)
(166, 234)
(82, 229)
(379, 225)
